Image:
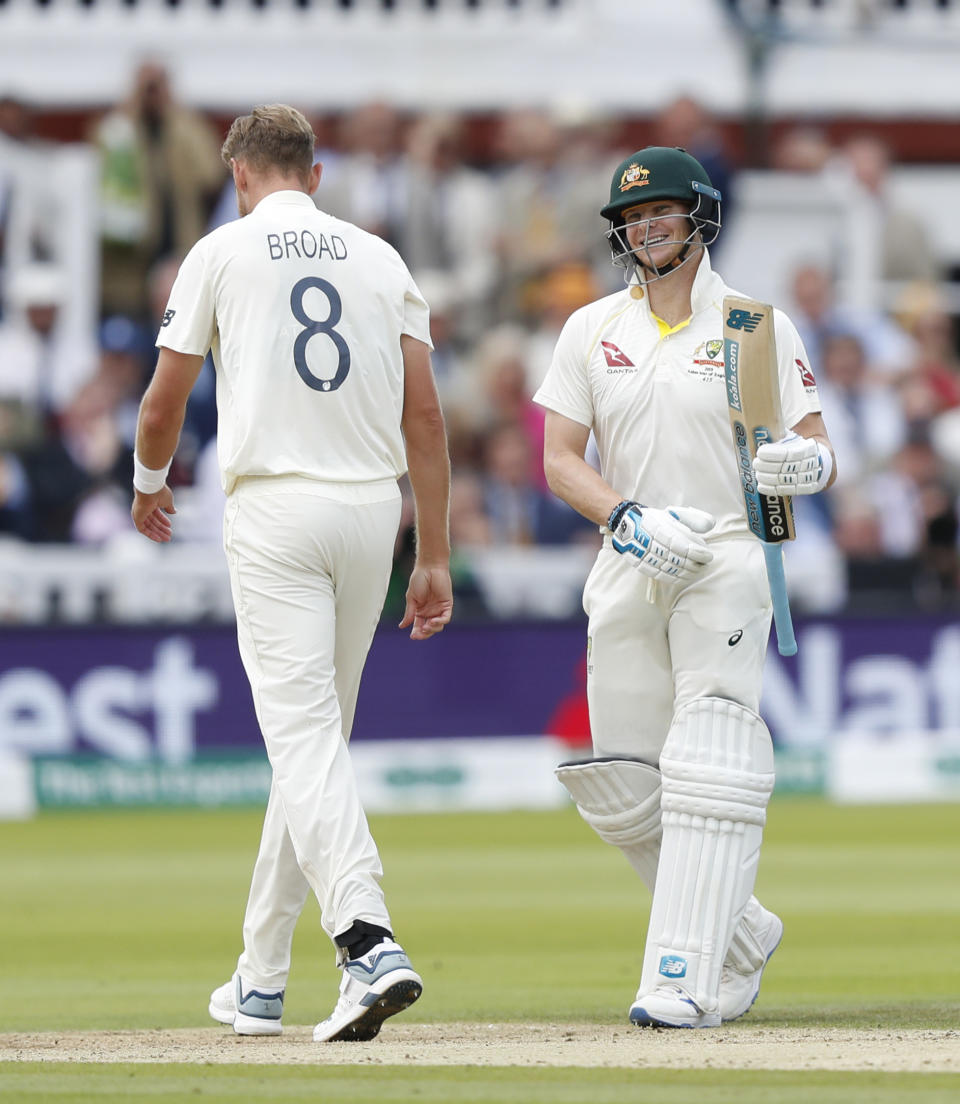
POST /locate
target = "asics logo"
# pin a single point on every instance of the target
(735, 639)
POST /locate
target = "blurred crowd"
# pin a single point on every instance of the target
(504, 246)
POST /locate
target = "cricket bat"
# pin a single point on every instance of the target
(753, 399)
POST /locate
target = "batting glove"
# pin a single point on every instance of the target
(661, 543)
(794, 465)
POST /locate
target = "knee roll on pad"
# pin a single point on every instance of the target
(717, 773)
(718, 762)
(618, 798)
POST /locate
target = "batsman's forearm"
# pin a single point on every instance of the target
(428, 466)
(572, 479)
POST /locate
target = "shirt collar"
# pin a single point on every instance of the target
(285, 198)
(705, 284)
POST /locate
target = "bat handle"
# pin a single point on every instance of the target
(786, 641)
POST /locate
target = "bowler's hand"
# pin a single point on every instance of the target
(429, 601)
(149, 513)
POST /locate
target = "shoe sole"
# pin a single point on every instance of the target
(256, 1025)
(642, 1018)
(220, 1014)
(740, 1015)
(395, 998)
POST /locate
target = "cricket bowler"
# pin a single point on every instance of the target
(325, 397)
(678, 600)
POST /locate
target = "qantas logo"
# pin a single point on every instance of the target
(805, 374)
(616, 358)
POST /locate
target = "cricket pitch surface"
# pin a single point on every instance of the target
(742, 1047)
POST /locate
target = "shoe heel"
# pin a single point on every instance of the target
(256, 1025)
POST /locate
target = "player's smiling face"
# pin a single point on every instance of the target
(656, 231)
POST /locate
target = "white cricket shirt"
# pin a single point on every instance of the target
(658, 405)
(303, 314)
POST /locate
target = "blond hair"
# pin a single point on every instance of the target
(272, 136)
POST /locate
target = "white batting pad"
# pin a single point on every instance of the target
(620, 800)
(717, 773)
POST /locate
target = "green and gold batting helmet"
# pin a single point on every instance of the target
(665, 172)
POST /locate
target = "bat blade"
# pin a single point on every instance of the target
(753, 401)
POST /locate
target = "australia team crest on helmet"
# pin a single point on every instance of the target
(634, 176)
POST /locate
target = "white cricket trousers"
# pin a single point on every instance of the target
(654, 646)
(309, 567)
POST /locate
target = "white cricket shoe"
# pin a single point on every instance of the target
(739, 984)
(251, 1011)
(376, 985)
(670, 1006)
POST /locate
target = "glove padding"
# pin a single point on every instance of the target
(662, 543)
(791, 466)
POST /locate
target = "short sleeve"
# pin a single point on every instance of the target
(416, 314)
(190, 321)
(798, 388)
(566, 387)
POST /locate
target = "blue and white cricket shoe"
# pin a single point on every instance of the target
(670, 1006)
(251, 1010)
(739, 988)
(376, 985)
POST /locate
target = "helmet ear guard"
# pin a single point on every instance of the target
(706, 213)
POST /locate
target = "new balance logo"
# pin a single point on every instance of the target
(616, 358)
(744, 320)
(673, 966)
(167, 317)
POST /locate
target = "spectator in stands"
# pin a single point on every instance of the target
(932, 383)
(906, 251)
(867, 422)
(519, 510)
(910, 495)
(501, 369)
(688, 123)
(804, 148)
(42, 366)
(447, 220)
(32, 228)
(543, 194)
(819, 313)
(366, 189)
(160, 176)
(555, 296)
(470, 526)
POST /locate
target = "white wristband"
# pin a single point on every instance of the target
(149, 480)
(826, 465)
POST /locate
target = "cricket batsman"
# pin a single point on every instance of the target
(678, 600)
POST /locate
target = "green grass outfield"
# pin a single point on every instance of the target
(127, 920)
